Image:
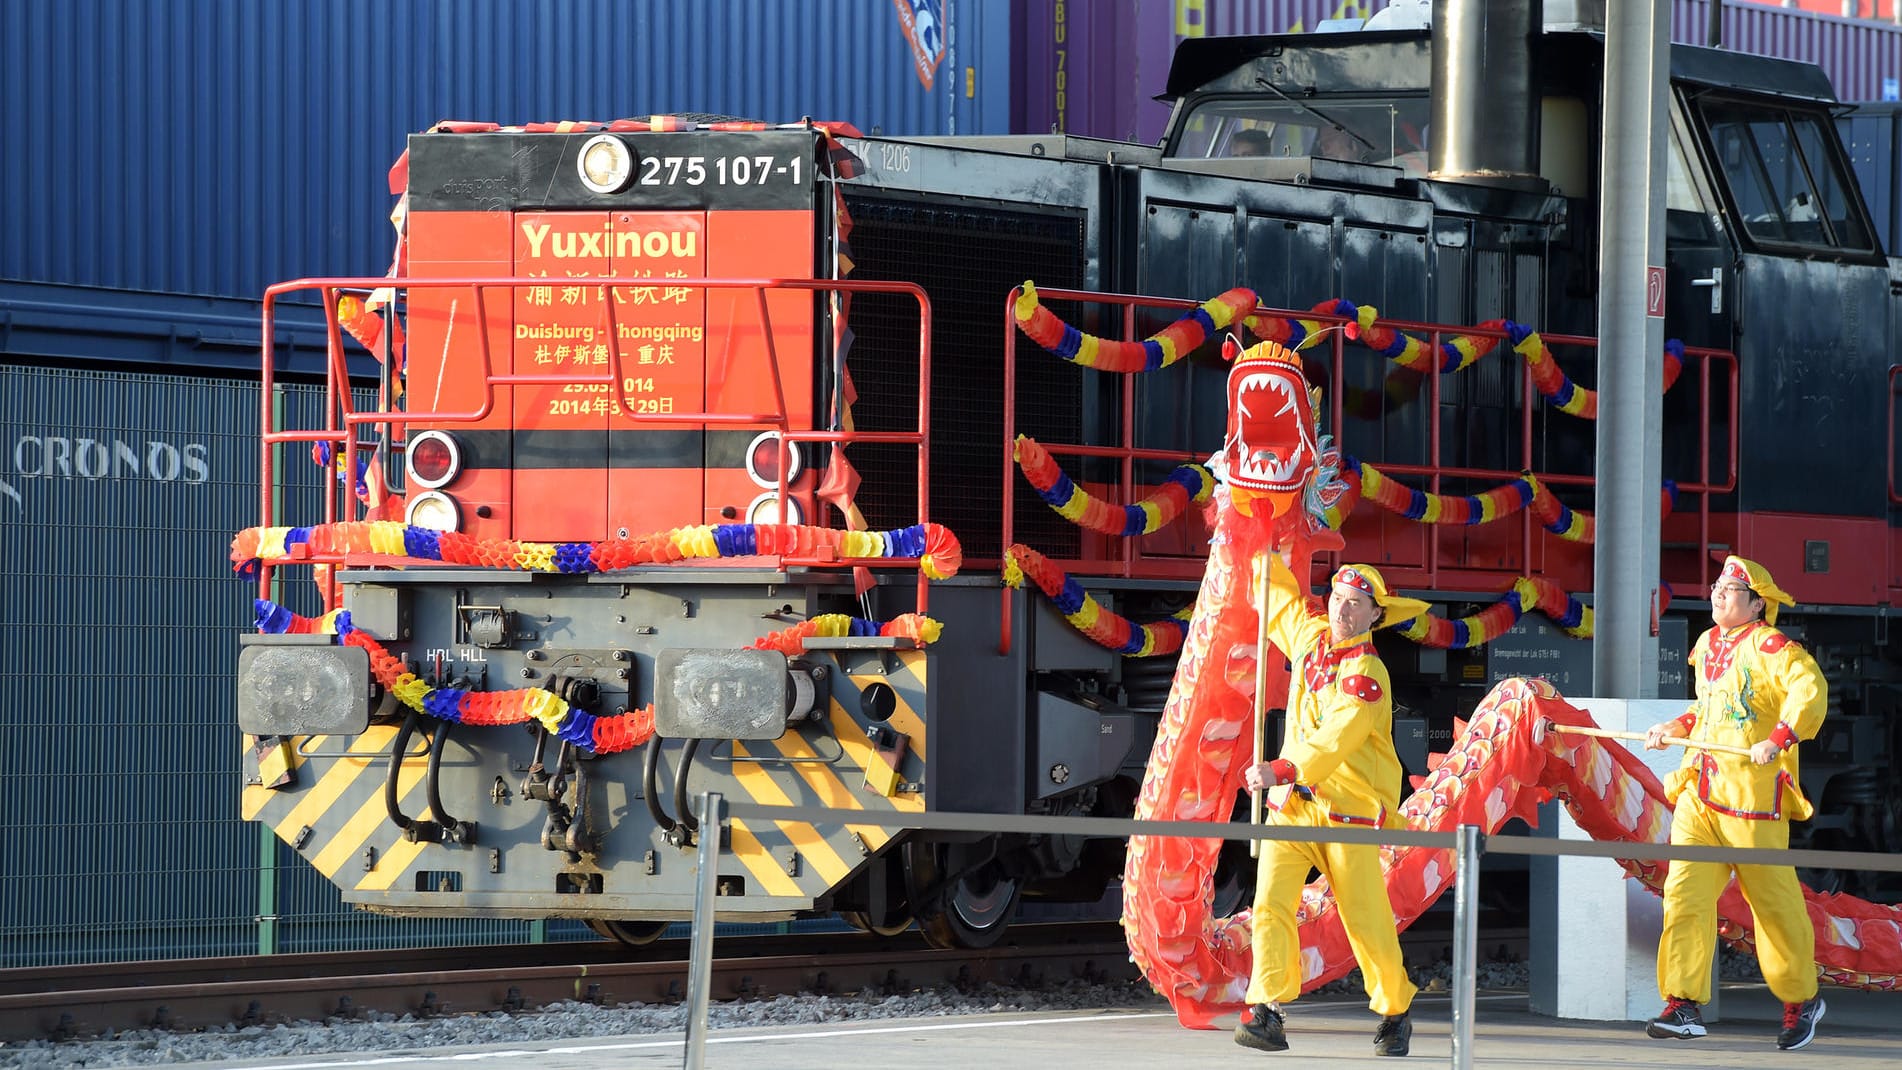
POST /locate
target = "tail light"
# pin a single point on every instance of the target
(432, 459)
(765, 510)
(433, 509)
(762, 460)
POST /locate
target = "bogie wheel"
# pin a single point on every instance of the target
(629, 933)
(879, 902)
(970, 910)
(891, 925)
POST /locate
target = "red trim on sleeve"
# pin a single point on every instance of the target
(1365, 688)
(1773, 642)
(1284, 771)
(1784, 737)
(1688, 721)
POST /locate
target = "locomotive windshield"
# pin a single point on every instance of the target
(1786, 184)
(1390, 131)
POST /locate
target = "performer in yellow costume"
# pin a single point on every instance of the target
(1337, 768)
(1758, 690)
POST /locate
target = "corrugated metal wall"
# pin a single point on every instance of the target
(211, 147)
(119, 618)
(1857, 54)
(1879, 10)
(216, 146)
(1094, 69)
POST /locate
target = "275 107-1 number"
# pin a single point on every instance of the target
(722, 170)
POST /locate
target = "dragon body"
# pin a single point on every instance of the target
(1501, 765)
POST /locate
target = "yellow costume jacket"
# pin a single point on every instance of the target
(1747, 683)
(1339, 731)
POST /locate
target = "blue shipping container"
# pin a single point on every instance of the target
(1873, 135)
(212, 147)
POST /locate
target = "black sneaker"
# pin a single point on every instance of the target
(1261, 1028)
(1394, 1036)
(1799, 1023)
(1680, 1020)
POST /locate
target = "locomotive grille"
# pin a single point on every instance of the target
(967, 258)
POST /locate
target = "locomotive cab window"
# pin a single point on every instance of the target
(1387, 131)
(1786, 180)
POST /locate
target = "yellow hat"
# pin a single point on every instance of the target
(1367, 580)
(1757, 578)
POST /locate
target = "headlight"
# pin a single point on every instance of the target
(762, 460)
(432, 459)
(765, 510)
(434, 510)
(604, 164)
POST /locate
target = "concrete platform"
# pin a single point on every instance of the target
(1860, 1029)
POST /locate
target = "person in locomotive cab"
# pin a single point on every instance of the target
(1758, 690)
(1337, 769)
(1337, 142)
(1252, 141)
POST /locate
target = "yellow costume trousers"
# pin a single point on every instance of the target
(1786, 943)
(1353, 870)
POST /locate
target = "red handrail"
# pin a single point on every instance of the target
(337, 389)
(1129, 563)
(1895, 372)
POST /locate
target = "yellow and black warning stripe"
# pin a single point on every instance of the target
(791, 771)
(332, 846)
(817, 765)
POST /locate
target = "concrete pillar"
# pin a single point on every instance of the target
(1594, 931)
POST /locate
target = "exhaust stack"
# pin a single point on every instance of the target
(1485, 107)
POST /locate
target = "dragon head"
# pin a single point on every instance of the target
(1271, 449)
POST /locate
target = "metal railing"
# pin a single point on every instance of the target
(1130, 561)
(1468, 843)
(342, 420)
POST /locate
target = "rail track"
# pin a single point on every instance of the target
(71, 1002)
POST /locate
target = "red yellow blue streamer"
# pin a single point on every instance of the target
(1567, 396)
(603, 735)
(1103, 626)
(1528, 593)
(924, 630)
(1159, 350)
(1187, 483)
(1414, 354)
(1410, 353)
(1526, 492)
(936, 548)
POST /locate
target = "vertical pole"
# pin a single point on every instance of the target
(1261, 685)
(268, 917)
(712, 815)
(1630, 348)
(267, 890)
(1465, 943)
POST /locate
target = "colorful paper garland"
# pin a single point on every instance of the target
(1413, 354)
(1103, 626)
(936, 548)
(792, 640)
(1187, 483)
(603, 735)
(1159, 350)
(1528, 592)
